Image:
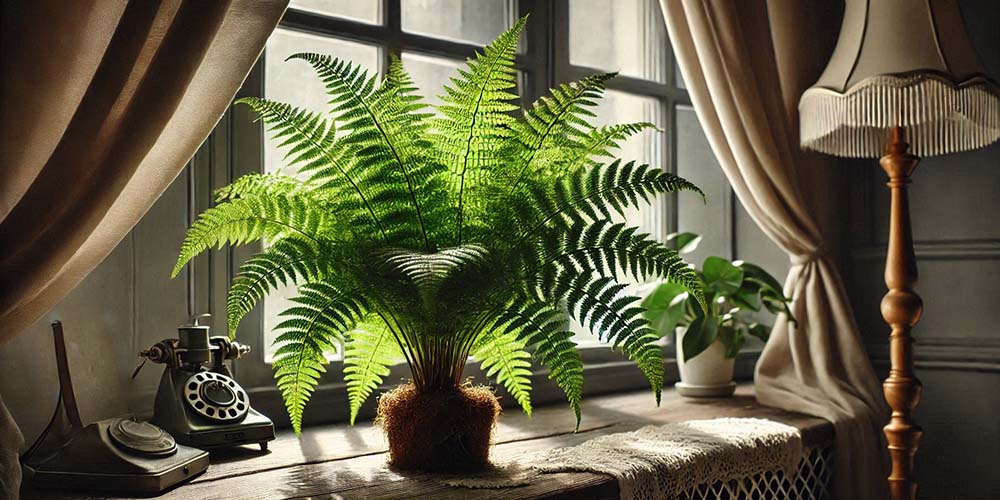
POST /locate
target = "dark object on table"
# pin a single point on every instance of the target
(121, 454)
(198, 401)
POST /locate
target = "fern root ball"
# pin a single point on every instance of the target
(447, 430)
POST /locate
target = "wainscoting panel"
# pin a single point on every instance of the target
(959, 450)
(959, 293)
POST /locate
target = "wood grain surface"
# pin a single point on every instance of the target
(334, 462)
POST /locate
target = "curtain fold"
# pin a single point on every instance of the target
(101, 105)
(745, 63)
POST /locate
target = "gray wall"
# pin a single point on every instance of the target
(954, 201)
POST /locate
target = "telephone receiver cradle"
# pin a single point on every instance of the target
(198, 401)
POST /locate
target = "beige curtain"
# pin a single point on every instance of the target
(745, 63)
(101, 105)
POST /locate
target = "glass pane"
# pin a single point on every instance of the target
(647, 147)
(296, 83)
(678, 77)
(628, 36)
(368, 11)
(471, 21)
(430, 73)
(697, 163)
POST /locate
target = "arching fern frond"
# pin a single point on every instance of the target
(599, 143)
(599, 193)
(600, 305)
(288, 261)
(391, 154)
(427, 272)
(313, 148)
(502, 355)
(369, 352)
(543, 329)
(606, 248)
(243, 220)
(553, 123)
(256, 184)
(312, 329)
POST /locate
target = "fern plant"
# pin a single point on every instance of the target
(429, 235)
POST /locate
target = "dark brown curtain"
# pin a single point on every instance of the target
(102, 102)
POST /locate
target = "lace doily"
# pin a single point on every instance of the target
(657, 462)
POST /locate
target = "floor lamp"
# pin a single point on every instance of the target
(902, 82)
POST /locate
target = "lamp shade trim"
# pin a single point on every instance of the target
(940, 115)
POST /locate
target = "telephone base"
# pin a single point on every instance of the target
(254, 429)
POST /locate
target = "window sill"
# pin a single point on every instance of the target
(605, 372)
(343, 462)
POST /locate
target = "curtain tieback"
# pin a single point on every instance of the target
(806, 258)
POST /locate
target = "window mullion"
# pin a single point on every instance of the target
(392, 18)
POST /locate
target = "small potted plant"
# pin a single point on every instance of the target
(433, 237)
(708, 339)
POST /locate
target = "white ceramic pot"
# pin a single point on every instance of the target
(706, 375)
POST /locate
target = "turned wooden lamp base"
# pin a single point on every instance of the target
(901, 309)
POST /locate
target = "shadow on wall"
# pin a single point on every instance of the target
(97, 322)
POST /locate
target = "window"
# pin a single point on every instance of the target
(565, 40)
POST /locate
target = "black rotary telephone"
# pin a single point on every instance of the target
(198, 402)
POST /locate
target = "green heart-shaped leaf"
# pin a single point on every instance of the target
(721, 276)
(665, 306)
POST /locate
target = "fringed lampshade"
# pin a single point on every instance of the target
(903, 81)
(901, 63)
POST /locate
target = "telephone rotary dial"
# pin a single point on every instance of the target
(198, 401)
(216, 397)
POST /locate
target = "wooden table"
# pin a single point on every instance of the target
(337, 461)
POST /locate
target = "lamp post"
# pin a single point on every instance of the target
(902, 82)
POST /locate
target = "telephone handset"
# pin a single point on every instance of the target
(198, 401)
(120, 454)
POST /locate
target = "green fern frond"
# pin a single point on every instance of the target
(474, 116)
(287, 261)
(256, 184)
(312, 329)
(243, 220)
(544, 331)
(553, 122)
(502, 355)
(598, 143)
(368, 354)
(605, 248)
(599, 193)
(387, 133)
(600, 305)
(427, 272)
(313, 148)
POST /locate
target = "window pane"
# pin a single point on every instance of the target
(471, 21)
(296, 83)
(646, 147)
(628, 36)
(368, 11)
(697, 163)
(678, 77)
(430, 73)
